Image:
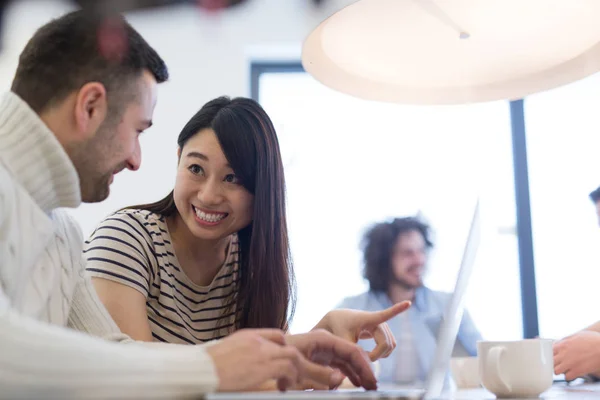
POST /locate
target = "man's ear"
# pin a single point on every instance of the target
(91, 108)
(178, 153)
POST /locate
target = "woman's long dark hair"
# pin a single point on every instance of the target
(265, 295)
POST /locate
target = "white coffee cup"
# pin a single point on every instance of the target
(523, 368)
(465, 372)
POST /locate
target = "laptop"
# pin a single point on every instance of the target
(445, 344)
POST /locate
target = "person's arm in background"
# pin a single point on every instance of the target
(578, 355)
(595, 327)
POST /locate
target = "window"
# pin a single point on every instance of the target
(351, 162)
(563, 140)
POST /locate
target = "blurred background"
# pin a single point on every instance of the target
(350, 162)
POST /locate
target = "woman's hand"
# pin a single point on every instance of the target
(353, 325)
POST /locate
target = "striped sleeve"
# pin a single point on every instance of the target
(120, 250)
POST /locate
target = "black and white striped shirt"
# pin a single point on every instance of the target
(133, 247)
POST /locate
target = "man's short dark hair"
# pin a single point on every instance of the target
(378, 247)
(82, 47)
(595, 195)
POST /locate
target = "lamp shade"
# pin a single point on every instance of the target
(454, 51)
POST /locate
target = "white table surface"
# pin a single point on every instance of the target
(557, 392)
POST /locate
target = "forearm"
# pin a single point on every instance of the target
(89, 315)
(41, 360)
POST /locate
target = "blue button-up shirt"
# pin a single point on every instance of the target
(425, 317)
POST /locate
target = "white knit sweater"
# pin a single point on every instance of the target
(45, 297)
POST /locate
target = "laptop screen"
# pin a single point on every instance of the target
(454, 312)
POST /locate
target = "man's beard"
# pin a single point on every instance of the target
(404, 284)
(95, 188)
(94, 179)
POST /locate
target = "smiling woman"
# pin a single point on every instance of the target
(212, 256)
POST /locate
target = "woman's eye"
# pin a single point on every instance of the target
(195, 169)
(231, 178)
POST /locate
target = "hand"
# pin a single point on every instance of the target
(577, 355)
(249, 358)
(342, 358)
(354, 324)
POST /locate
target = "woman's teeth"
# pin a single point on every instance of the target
(208, 217)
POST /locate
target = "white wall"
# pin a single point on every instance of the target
(208, 55)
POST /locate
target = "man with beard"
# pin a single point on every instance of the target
(395, 257)
(84, 90)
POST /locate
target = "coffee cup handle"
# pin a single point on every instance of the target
(493, 364)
